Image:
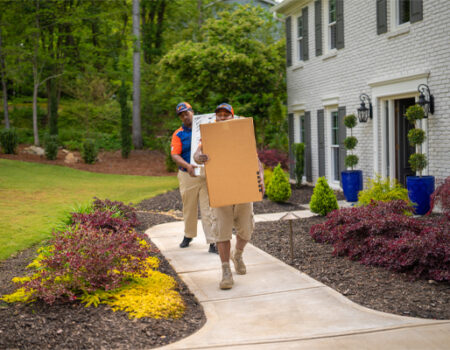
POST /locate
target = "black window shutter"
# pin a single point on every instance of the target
(339, 24)
(342, 135)
(318, 26)
(305, 41)
(308, 155)
(288, 42)
(416, 10)
(321, 142)
(381, 16)
(291, 145)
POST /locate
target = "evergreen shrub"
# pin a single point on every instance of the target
(9, 141)
(278, 189)
(89, 151)
(299, 153)
(417, 161)
(51, 147)
(350, 142)
(382, 190)
(380, 234)
(268, 173)
(323, 199)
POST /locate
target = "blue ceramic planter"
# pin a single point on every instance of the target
(419, 192)
(352, 183)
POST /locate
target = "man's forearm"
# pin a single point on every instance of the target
(180, 161)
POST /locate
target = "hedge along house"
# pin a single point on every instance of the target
(339, 49)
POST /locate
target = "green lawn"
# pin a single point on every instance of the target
(34, 196)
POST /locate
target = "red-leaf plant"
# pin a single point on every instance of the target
(273, 157)
(442, 196)
(381, 234)
(85, 259)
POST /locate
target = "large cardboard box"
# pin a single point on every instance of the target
(232, 170)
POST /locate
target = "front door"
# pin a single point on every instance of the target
(402, 147)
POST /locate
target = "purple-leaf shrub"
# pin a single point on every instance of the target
(105, 220)
(272, 157)
(85, 259)
(99, 250)
(381, 234)
(442, 196)
(120, 208)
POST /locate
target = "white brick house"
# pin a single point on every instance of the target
(338, 49)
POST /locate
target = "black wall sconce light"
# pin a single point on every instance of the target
(363, 112)
(426, 100)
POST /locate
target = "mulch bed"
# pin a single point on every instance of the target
(63, 326)
(73, 326)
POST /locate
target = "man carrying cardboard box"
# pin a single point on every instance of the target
(224, 218)
(192, 188)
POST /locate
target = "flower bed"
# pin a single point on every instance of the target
(380, 234)
(100, 258)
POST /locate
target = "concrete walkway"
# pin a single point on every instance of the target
(274, 306)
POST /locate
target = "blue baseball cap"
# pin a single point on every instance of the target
(226, 107)
(182, 107)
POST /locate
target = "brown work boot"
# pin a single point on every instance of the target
(227, 277)
(239, 266)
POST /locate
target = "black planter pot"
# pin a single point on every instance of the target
(352, 183)
(420, 189)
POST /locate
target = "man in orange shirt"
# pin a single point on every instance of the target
(192, 188)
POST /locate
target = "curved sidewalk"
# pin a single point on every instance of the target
(274, 306)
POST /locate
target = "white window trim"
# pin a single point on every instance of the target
(329, 166)
(299, 41)
(326, 40)
(298, 134)
(329, 25)
(395, 25)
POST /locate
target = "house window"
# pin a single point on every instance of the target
(332, 24)
(300, 37)
(404, 11)
(335, 145)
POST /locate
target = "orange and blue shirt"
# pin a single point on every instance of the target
(181, 144)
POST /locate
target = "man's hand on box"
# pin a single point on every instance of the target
(191, 170)
(202, 158)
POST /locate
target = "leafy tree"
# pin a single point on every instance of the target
(240, 60)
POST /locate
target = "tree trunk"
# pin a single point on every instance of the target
(5, 90)
(35, 121)
(36, 78)
(137, 134)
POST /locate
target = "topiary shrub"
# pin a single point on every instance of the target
(278, 189)
(416, 136)
(382, 190)
(51, 147)
(299, 154)
(350, 142)
(323, 199)
(380, 234)
(9, 141)
(89, 151)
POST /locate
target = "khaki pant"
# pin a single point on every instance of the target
(239, 215)
(194, 192)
